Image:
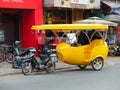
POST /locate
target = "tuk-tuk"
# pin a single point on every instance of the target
(80, 44)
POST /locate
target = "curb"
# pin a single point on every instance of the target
(6, 69)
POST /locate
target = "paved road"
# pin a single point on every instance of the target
(67, 79)
(6, 69)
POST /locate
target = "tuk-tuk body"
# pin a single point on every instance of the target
(94, 53)
(82, 55)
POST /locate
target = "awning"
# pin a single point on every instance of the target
(114, 5)
(69, 27)
(115, 11)
(112, 17)
(95, 20)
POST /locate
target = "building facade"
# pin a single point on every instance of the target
(67, 11)
(16, 19)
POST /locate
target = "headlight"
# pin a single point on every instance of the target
(32, 49)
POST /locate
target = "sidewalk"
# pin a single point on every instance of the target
(113, 58)
(6, 68)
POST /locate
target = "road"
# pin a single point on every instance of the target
(68, 79)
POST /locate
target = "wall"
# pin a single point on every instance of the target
(25, 4)
(77, 14)
(31, 14)
(30, 18)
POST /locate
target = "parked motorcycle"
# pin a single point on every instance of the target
(6, 53)
(20, 55)
(12, 53)
(114, 50)
(46, 61)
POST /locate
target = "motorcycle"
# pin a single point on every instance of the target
(46, 61)
(20, 54)
(6, 53)
(114, 50)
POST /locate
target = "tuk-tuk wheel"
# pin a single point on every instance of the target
(97, 64)
(82, 66)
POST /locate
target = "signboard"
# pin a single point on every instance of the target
(28, 4)
(79, 1)
(75, 1)
(1, 35)
(62, 3)
(84, 4)
(57, 3)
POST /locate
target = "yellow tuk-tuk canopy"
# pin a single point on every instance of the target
(67, 27)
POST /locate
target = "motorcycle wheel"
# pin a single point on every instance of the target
(82, 66)
(112, 52)
(1, 56)
(10, 57)
(50, 67)
(97, 64)
(26, 68)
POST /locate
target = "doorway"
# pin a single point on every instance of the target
(11, 27)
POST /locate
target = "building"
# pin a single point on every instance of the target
(68, 11)
(111, 10)
(16, 19)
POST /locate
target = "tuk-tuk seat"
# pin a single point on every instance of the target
(56, 42)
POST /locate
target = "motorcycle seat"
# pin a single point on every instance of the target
(43, 56)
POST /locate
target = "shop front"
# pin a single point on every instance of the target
(16, 19)
(67, 11)
(57, 16)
